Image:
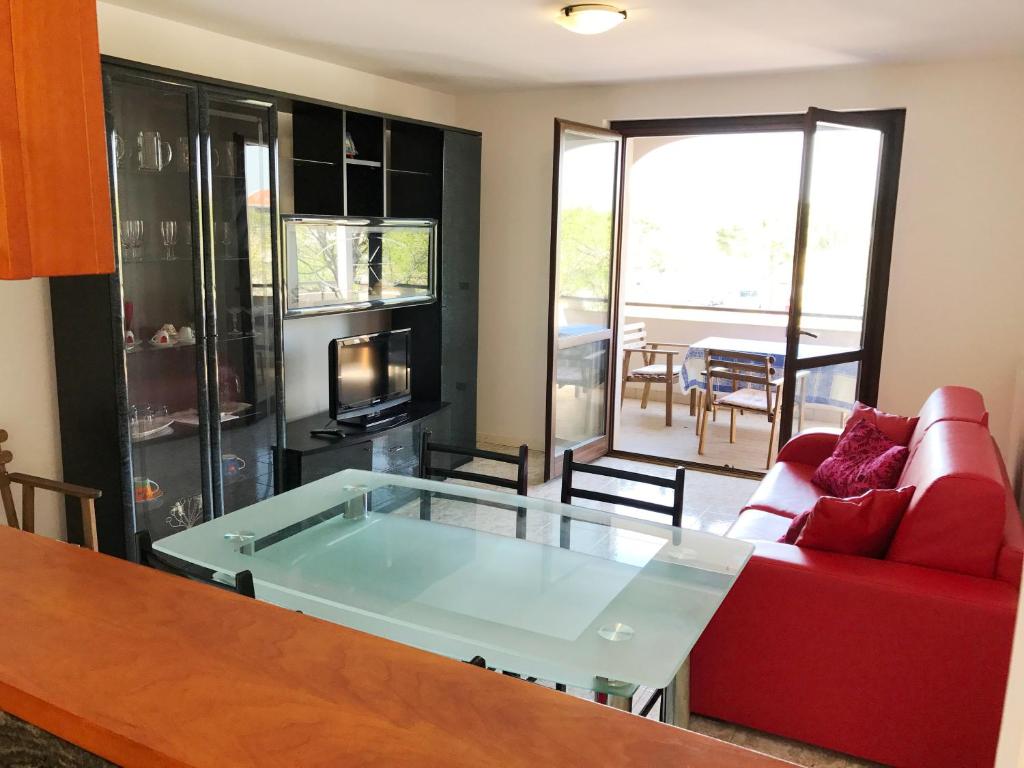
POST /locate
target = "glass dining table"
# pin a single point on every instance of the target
(560, 593)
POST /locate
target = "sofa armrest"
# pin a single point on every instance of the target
(870, 657)
(811, 446)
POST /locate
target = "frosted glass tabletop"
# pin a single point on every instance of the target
(543, 589)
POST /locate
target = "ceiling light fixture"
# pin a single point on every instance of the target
(590, 18)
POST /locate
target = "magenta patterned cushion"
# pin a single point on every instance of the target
(863, 459)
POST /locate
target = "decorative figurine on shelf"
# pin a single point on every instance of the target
(186, 513)
(350, 146)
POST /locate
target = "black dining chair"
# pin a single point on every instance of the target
(150, 558)
(571, 468)
(431, 452)
(674, 511)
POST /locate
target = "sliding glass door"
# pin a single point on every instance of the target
(584, 252)
(840, 262)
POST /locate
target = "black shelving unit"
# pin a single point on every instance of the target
(208, 161)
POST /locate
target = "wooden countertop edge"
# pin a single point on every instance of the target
(77, 730)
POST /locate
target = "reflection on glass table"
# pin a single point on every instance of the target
(616, 604)
(351, 264)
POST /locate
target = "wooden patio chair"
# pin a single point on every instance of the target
(29, 483)
(667, 373)
(762, 393)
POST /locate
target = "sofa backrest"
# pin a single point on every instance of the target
(957, 518)
(948, 404)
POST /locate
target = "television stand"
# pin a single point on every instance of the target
(390, 447)
(374, 421)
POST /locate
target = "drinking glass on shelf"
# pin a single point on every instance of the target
(131, 237)
(222, 232)
(182, 154)
(236, 314)
(169, 235)
(155, 154)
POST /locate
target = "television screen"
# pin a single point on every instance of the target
(369, 373)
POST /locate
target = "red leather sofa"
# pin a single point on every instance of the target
(902, 660)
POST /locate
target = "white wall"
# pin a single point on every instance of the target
(28, 392)
(955, 314)
(28, 409)
(1011, 739)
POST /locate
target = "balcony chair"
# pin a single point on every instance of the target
(634, 339)
(29, 483)
(763, 393)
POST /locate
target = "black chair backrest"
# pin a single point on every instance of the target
(161, 562)
(429, 470)
(676, 483)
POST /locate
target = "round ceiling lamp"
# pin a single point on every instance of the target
(590, 18)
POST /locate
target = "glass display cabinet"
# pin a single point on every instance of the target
(339, 264)
(195, 210)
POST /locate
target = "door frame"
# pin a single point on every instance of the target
(891, 123)
(599, 446)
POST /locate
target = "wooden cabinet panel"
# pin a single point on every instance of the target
(54, 194)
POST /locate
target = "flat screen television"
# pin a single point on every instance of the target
(369, 375)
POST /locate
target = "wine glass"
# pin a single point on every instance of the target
(131, 237)
(169, 235)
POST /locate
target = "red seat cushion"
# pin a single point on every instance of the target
(755, 525)
(786, 490)
(862, 525)
(896, 428)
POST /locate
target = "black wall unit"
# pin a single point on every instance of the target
(445, 333)
(194, 180)
(88, 396)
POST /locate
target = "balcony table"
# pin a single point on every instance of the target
(580, 597)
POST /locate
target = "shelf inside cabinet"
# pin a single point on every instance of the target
(368, 163)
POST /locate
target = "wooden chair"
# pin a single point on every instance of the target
(429, 470)
(150, 558)
(29, 483)
(634, 339)
(763, 393)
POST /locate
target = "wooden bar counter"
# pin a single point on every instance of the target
(146, 669)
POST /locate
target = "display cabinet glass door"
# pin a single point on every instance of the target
(152, 127)
(239, 154)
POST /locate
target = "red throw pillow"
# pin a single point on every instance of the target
(863, 459)
(793, 532)
(896, 428)
(863, 525)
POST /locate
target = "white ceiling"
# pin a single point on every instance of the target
(455, 45)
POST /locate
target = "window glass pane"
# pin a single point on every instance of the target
(710, 220)
(587, 172)
(841, 211)
(580, 391)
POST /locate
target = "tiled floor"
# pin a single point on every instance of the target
(711, 504)
(643, 430)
